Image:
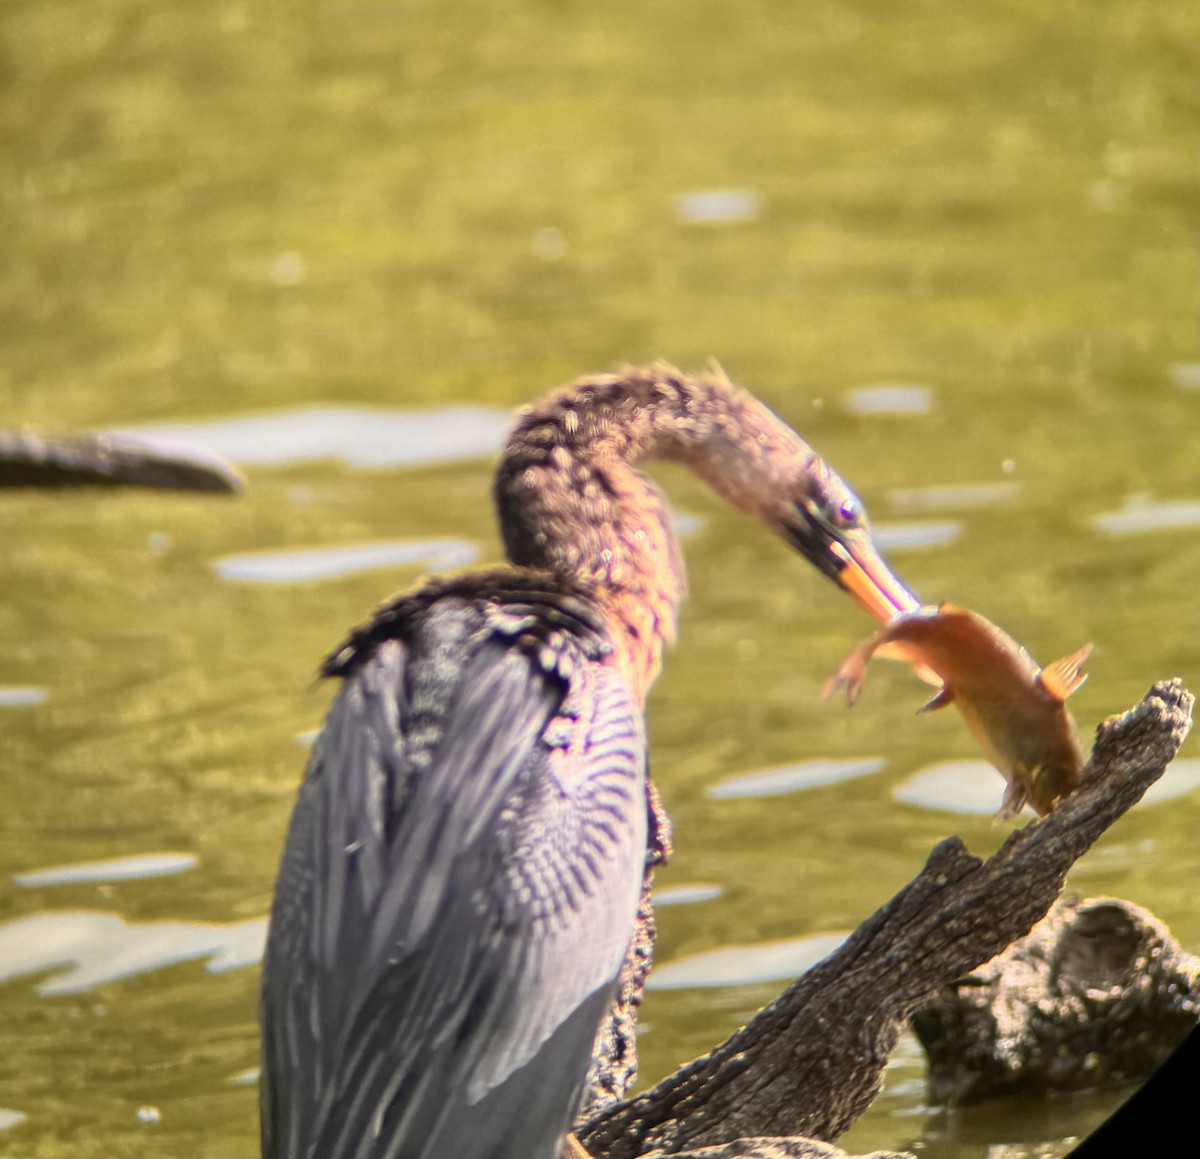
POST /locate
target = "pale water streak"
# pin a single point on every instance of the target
(745, 965)
(953, 495)
(359, 436)
(686, 895)
(890, 398)
(718, 206)
(112, 869)
(1141, 513)
(789, 778)
(975, 787)
(306, 565)
(1185, 375)
(20, 697)
(903, 536)
(98, 947)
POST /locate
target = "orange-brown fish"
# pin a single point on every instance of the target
(1015, 709)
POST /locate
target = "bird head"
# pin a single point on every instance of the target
(827, 523)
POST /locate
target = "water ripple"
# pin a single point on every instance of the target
(922, 533)
(891, 398)
(745, 965)
(789, 778)
(953, 495)
(1141, 513)
(718, 206)
(359, 436)
(100, 947)
(975, 787)
(686, 895)
(113, 869)
(317, 563)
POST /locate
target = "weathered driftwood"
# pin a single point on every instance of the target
(29, 460)
(1097, 992)
(791, 1148)
(812, 1061)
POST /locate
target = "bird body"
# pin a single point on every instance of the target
(473, 814)
(1013, 708)
(463, 872)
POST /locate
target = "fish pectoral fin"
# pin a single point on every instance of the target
(1065, 676)
(944, 696)
(850, 677)
(852, 673)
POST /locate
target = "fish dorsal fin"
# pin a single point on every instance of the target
(1063, 677)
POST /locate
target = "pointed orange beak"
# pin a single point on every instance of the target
(871, 582)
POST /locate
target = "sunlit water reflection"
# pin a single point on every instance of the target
(111, 869)
(359, 437)
(890, 399)
(104, 947)
(790, 778)
(745, 965)
(975, 787)
(953, 496)
(933, 290)
(318, 563)
(686, 895)
(1141, 513)
(718, 206)
(904, 536)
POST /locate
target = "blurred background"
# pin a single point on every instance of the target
(955, 247)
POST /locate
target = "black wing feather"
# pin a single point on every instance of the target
(456, 896)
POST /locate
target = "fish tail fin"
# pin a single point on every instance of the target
(1066, 675)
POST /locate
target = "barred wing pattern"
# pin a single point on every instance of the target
(457, 893)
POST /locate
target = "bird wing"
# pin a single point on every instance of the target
(456, 897)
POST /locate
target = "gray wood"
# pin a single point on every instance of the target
(812, 1061)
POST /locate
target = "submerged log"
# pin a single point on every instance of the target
(812, 1061)
(1098, 992)
(29, 460)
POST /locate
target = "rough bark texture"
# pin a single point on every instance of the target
(1098, 992)
(775, 1148)
(29, 460)
(812, 1061)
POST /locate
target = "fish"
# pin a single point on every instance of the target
(1014, 709)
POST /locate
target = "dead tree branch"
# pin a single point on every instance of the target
(812, 1061)
(29, 460)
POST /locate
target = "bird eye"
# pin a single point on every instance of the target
(842, 513)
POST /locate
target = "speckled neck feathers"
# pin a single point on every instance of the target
(570, 501)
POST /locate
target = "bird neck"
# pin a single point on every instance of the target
(570, 500)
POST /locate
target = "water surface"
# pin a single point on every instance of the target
(341, 243)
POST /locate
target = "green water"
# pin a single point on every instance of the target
(218, 208)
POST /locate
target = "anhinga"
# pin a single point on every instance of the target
(462, 873)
